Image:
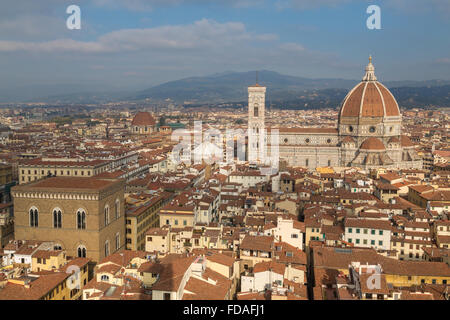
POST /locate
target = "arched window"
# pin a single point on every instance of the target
(106, 215)
(57, 218)
(34, 217)
(106, 248)
(117, 208)
(81, 219)
(81, 252)
(117, 241)
(104, 277)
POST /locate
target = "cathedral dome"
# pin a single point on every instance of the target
(406, 141)
(394, 140)
(369, 98)
(143, 119)
(372, 144)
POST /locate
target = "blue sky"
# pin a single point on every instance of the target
(135, 44)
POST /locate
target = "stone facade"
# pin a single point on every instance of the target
(256, 122)
(69, 195)
(368, 134)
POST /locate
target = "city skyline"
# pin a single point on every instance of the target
(303, 156)
(132, 45)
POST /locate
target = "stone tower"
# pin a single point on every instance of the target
(256, 118)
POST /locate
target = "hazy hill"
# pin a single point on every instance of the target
(282, 91)
(232, 87)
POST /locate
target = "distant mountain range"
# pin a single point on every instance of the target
(282, 91)
(232, 87)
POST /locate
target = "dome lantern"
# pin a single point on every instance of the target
(370, 72)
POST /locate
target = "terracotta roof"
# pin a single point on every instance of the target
(220, 258)
(41, 162)
(269, 266)
(37, 290)
(143, 119)
(172, 272)
(157, 232)
(337, 258)
(46, 254)
(394, 140)
(69, 183)
(406, 141)
(352, 103)
(296, 256)
(261, 243)
(369, 99)
(122, 257)
(252, 296)
(372, 143)
(381, 289)
(390, 176)
(201, 289)
(421, 188)
(79, 262)
(368, 223)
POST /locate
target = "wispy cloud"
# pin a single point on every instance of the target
(200, 34)
(149, 5)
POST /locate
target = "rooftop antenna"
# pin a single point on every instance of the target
(256, 77)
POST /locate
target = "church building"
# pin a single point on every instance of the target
(368, 135)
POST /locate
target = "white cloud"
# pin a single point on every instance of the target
(52, 46)
(292, 47)
(308, 4)
(149, 5)
(32, 26)
(200, 34)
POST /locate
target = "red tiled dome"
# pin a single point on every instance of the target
(394, 140)
(372, 144)
(143, 119)
(369, 98)
(406, 141)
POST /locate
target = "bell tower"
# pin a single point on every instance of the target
(256, 118)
